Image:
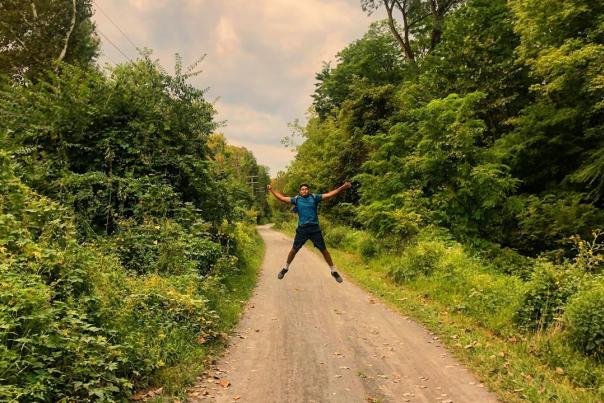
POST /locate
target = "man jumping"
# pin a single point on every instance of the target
(308, 224)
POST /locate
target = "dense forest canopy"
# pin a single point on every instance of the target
(121, 213)
(493, 128)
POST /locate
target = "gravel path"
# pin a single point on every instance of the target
(307, 338)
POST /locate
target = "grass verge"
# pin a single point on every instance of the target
(227, 297)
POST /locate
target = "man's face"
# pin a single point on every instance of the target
(304, 191)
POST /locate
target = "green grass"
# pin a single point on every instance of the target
(228, 302)
(470, 307)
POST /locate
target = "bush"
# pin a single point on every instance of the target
(420, 259)
(368, 247)
(335, 236)
(547, 294)
(584, 319)
(165, 247)
(546, 222)
(384, 219)
(504, 260)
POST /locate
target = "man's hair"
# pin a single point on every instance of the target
(304, 184)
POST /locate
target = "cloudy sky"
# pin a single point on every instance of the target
(261, 55)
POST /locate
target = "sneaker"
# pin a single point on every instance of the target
(282, 273)
(337, 276)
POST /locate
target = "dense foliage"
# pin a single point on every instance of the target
(492, 138)
(496, 135)
(120, 222)
(249, 179)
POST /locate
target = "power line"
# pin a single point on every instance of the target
(113, 44)
(109, 57)
(115, 25)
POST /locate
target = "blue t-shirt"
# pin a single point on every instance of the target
(307, 208)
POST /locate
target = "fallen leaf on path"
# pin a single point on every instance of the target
(236, 397)
(225, 383)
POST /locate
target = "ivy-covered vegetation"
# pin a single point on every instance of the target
(121, 223)
(475, 144)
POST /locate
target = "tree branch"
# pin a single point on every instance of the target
(34, 11)
(68, 35)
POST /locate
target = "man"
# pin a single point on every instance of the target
(308, 224)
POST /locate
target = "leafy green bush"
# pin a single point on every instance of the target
(546, 222)
(90, 321)
(53, 344)
(503, 260)
(385, 219)
(368, 247)
(164, 246)
(335, 235)
(548, 292)
(584, 318)
(420, 259)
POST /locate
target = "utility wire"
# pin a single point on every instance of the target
(113, 44)
(115, 25)
(109, 57)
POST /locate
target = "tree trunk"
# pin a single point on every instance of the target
(403, 42)
(68, 35)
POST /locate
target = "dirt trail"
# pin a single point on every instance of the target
(307, 338)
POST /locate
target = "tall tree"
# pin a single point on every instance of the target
(417, 19)
(558, 138)
(37, 33)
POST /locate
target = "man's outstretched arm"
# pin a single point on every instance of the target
(278, 195)
(334, 192)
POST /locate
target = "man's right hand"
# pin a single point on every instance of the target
(269, 187)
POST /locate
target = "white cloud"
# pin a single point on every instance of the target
(275, 157)
(247, 124)
(227, 40)
(262, 55)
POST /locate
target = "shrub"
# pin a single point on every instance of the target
(165, 247)
(384, 219)
(417, 260)
(504, 260)
(335, 236)
(368, 247)
(546, 222)
(548, 292)
(584, 319)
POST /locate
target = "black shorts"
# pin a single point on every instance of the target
(312, 232)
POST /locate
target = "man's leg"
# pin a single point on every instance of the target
(327, 257)
(291, 255)
(299, 241)
(332, 267)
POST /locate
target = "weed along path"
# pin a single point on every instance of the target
(307, 338)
